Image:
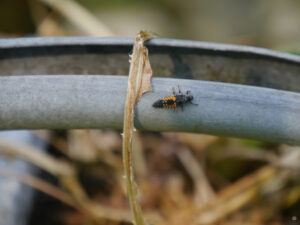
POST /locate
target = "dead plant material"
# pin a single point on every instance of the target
(63, 170)
(197, 142)
(59, 143)
(89, 208)
(80, 146)
(42, 186)
(47, 23)
(80, 17)
(203, 190)
(138, 157)
(36, 157)
(235, 196)
(139, 82)
(75, 197)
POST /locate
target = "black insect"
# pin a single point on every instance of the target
(174, 101)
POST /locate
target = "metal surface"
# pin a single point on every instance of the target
(169, 58)
(86, 101)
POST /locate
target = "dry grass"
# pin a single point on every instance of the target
(177, 185)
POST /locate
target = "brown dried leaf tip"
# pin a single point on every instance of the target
(139, 82)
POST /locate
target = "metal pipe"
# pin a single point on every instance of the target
(95, 101)
(168, 57)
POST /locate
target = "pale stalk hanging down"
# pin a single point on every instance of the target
(138, 83)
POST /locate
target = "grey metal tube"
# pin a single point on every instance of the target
(86, 101)
(168, 57)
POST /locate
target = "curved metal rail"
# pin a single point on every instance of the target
(169, 58)
(86, 101)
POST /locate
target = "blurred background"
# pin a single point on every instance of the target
(182, 178)
(270, 24)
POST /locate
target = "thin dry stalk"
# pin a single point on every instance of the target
(235, 196)
(45, 21)
(94, 210)
(72, 184)
(61, 169)
(68, 179)
(292, 196)
(99, 212)
(203, 190)
(138, 157)
(138, 83)
(50, 27)
(42, 186)
(80, 17)
(36, 157)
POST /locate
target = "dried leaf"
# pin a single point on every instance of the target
(138, 83)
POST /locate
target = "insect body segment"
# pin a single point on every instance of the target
(168, 102)
(175, 100)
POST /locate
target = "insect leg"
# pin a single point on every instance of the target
(173, 91)
(179, 90)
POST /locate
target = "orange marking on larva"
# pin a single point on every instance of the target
(169, 98)
(169, 102)
(175, 100)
